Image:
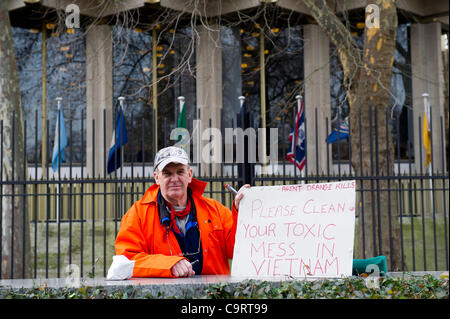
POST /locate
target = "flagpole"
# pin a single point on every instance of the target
(241, 100)
(426, 107)
(121, 99)
(181, 99)
(241, 103)
(44, 155)
(155, 90)
(262, 65)
(302, 172)
(58, 101)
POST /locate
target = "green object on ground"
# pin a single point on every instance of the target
(361, 265)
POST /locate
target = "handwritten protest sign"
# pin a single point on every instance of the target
(296, 230)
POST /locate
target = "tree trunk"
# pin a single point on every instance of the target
(367, 80)
(380, 207)
(15, 243)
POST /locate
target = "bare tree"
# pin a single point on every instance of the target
(14, 231)
(367, 78)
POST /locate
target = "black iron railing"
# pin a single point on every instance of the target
(71, 218)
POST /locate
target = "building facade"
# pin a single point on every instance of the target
(212, 52)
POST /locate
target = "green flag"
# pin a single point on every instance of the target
(182, 117)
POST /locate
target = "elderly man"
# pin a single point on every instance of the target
(173, 231)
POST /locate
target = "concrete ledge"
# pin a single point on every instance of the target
(170, 287)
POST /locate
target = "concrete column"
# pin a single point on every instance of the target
(317, 95)
(209, 82)
(427, 77)
(99, 95)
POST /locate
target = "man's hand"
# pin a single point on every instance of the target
(183, 268)
(239, 196)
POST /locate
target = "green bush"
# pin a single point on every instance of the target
(426, 287)
(411, 287)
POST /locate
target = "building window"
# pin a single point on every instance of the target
(132, 72)
(283, 67)
(231, 75)
(284, 80)
(66, 78)
(133, 79)
(176, 77)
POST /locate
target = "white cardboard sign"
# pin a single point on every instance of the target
(302, 231)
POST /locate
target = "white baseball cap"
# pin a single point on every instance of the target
(168, 155)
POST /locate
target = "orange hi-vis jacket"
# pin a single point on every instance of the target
(142, 238)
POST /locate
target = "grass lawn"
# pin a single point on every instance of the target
(434, 246)
(96, 258)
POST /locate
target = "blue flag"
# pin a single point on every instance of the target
(119, 139)
(60, 141)
(297, 151)
(339, 134)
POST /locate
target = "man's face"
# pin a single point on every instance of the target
(173, 181)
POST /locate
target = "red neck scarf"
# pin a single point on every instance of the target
(182, 213)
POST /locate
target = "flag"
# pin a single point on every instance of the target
(243, 109)
(297, 152)
(60, 142)
(426, 134)
(182, 118)
(119, 139)
(338, 134)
